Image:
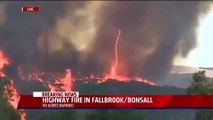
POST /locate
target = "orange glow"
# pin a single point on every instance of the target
(22, 115)
(113, 73)
(52, 81)
(64, 83)
(56, 81)
(11, 94)
(115, 65)
(67, 81)
(3, 61)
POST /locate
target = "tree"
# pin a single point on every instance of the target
(201, 85)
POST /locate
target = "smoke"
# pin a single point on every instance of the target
(27, 37)
(153, 33)
(81, 35)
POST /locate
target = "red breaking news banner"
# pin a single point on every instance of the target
(115, 101)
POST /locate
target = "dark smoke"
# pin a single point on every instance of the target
(153, 33)
(21, 31)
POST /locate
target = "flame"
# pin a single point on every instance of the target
(113, 73)
(12, 96)
(115, 65)
(22, 115)
(10, 92)
(52, 81)
(56, 82)
(65, 82)
(3, 62)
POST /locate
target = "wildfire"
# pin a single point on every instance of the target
(113, 73)
(114, 66)
(13, 97)
(3, 61)
(55, 82)
(65, 82)
(52, 81)
(58, 81)
(10, 92)
(22, 115)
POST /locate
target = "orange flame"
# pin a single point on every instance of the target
(22, 115)
(65, 83)
(10, 92)
(3, 61)
(57, 82)
(113, 73)
(53, 81)
(13, 97)
(114, 67)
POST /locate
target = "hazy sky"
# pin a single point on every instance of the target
(202, 56)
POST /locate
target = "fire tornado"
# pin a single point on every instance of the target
(115, 65)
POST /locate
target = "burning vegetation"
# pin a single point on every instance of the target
(58, 81)
(10, 92)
